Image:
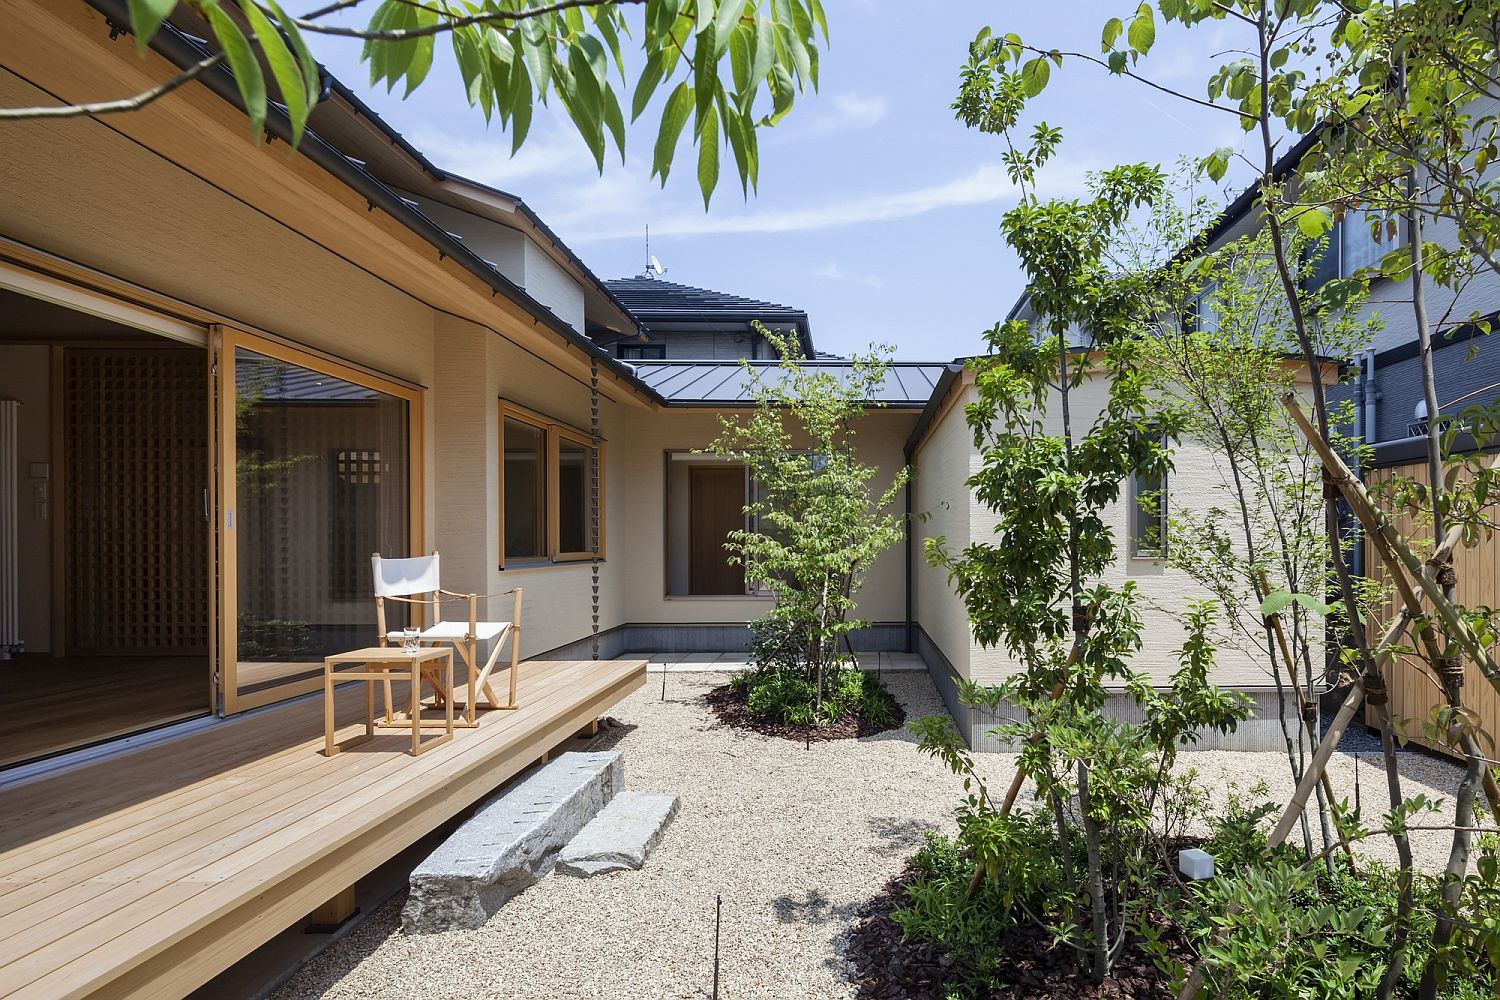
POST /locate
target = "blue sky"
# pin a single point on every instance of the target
(878, 213)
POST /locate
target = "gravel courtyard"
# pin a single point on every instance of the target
(795, 841)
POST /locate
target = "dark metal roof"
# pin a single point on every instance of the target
(908, 384)
(666, 306)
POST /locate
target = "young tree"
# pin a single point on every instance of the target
(817, 520)
(1035, 588)
(1417, 78)
(739, 64)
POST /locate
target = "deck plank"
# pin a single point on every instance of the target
(208, 846)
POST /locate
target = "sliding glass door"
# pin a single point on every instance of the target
(319, 471)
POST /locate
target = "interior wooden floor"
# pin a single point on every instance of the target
(53, 705)
(147, 873)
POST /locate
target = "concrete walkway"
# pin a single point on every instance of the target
(689, 663)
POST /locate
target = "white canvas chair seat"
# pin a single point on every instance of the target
(416, 581)
(450, 631)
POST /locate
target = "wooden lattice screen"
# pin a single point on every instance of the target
(136, 464)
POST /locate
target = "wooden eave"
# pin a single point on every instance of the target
(66, 50)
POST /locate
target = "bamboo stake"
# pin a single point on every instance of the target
(1394, 551)
(1019, 779)
(1405, 567)
(1303, 703)
(1314, 772)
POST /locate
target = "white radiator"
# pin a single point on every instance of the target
(10, 463)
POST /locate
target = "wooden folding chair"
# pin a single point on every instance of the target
(416, 581)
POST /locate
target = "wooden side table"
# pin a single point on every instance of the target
(385, 663)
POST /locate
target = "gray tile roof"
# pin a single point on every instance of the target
(683, 383)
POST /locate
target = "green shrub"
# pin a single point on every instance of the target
(790, 697)
(970, 930)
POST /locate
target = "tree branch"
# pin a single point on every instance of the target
(140, 100)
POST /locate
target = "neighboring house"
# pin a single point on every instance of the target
(680, 322)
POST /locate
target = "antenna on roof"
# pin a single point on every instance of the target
(654, 267)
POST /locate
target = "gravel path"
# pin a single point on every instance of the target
(796, 841)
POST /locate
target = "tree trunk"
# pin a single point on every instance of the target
(1092, 838)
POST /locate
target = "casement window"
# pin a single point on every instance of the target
(547, 490)
(1347, 247)
(641, 352)
(1148, 515)
(1202, 312)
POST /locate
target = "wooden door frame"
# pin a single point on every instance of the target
(226, 339)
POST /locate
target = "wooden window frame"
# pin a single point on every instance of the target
(553, 432)
(225, 340)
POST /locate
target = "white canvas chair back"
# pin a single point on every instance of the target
(405, 577)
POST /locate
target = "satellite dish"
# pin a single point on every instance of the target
(656, 265)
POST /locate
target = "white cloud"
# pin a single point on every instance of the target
(984, 185)
(485, 157)
(851, 111)
(834, 271)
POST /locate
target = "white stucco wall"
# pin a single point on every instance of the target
(945, 460)
(943, 463)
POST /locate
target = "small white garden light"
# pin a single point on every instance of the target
(1195, 863)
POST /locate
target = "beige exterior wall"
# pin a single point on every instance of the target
(642, 535)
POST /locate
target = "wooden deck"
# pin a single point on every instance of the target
(148, 873)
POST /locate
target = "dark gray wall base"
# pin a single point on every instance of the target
(1262, 731)
(728, 637)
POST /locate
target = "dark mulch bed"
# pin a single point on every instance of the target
(885, 967)
(731, 707)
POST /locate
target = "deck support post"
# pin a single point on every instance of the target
(333, 914)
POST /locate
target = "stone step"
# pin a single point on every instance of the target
(621, 836)
(510, 843)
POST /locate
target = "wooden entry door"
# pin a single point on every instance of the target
(716, 506)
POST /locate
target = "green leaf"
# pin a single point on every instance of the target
(521, 104)
(704, 16)
(537, 48)
(310, 72)
(1275, 603)
(705, 73)
(1216, 164)
(815, 7)
(1034, 76)
(421, 63)
(1313, 222)
(740, 59)
(146, 17)
(1142, 33)
(734, 130)
(765, 46)
(646, 85)
(708, 155)
(673, 117)
(725, 22)
(284, 67)
(585, 85)
(1314, 605)
(1112, 29)
(242, 61)
(614, 120)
